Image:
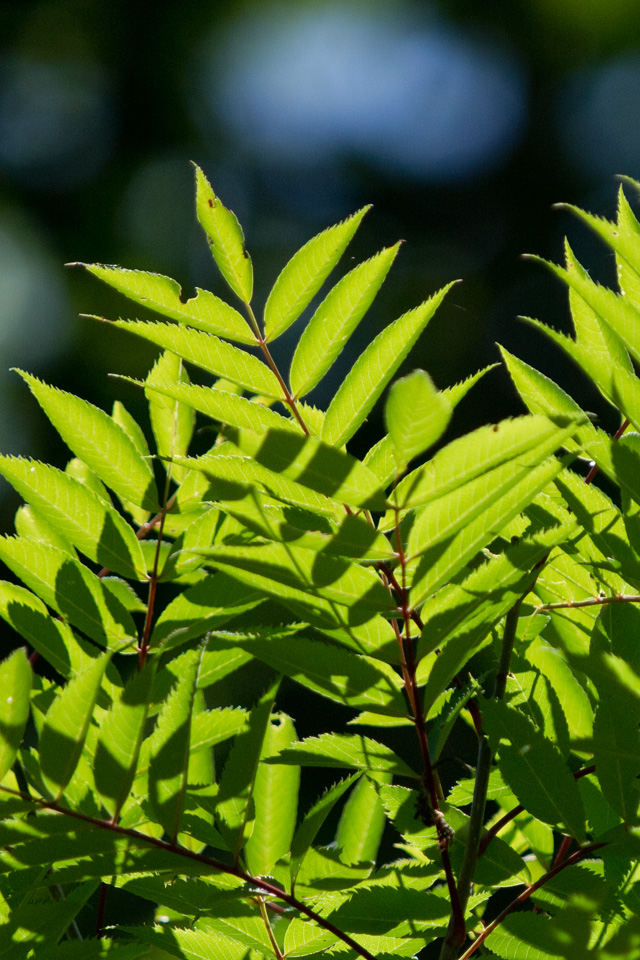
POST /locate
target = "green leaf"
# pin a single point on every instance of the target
(28, 616)
(229, 475)
(472, 456)
(313, 464)
(81, 517)
(170, 742)
(213, 726)
(224, 407)
(440, 563)
(15, 684)
(226, 239)
(362, 823)
(70, 588)
(188, 944)
(172, 422)
(233, 801)
(372, 371)
(97, 440)
(348, 751)
(612, 309)
(205, 606)
(458, 391)
(314, 818)
(571, 695)
(29, 524)
(534, 769)
(120, 738)
(328, 578)
(542, 396)
(380, 459)
(354, 536)
(326, 334)
(204, 311)
(305, 273)
(329, 670)
(209, 353)
(275, 797)
(417, 415)
(487, 592)
(67, 723)
(616, 751)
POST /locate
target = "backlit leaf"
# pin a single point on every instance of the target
(210, 353)
(121, 733)
(344, 751)
(224, 407)
(170, 744)
(305, 273)
(172, 422)
(226, 239)
(204, 311)
(534, 769)
(416, 414)
(15, 687)
(314, 464)
(314, 818)
(67, 723)
(69, 588)
(326, 334)
(103, 445)
(275, 797)
(86, 521)
(372, 371)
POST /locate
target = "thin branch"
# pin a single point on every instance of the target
(430, 777)
(508, 817)
(526, 894)
(288, 397)
(595, 469)
(259, 882)
(589, 602)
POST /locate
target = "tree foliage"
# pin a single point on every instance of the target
(493, 584)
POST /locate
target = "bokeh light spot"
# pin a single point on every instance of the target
(412, 97)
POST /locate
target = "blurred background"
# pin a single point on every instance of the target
(461, 122)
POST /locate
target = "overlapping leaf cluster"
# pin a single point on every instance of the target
(489, 584)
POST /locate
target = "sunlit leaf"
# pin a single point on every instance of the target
(226, 239)
(204, 311)
(372, 371)
(326, 334)
(305, 273)
(15, 687)
(97, 440)
(67, 723)
(210, 353)
(416, 414)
